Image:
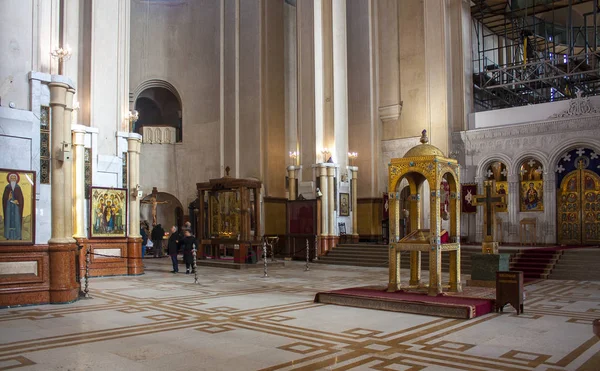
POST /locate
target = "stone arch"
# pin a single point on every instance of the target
(166, 214)
(536, 154)
(495, 157)
(159, 104)
(569, 145)
(156, 83)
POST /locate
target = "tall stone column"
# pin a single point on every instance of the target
(322, 174)
(134, 242)
(292, 181)
(79, 182)
(333, 238)
(68, 163)
(61, 246)
(353, 172)
(549, 207)
(513, 208)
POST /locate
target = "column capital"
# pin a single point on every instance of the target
(134, 143)
(294, 168)
(78, 137)
(58, 94)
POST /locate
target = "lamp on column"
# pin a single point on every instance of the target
(293, 157)
(352, 156)
(63, 55)
(326, 154)
(132, 117)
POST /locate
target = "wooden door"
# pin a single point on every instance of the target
(578, 208)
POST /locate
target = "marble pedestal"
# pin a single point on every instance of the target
(484, 268)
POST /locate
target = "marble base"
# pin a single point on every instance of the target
(64, 287)
(485, 266)
(134, 256)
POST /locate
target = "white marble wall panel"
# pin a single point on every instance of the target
(108, 171)
(521, 115)
(20, 145)
(30, 267)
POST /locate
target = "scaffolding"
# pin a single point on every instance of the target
(534, 51)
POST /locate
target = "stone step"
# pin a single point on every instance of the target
(355, 253)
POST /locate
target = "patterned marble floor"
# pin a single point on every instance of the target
(238, 320)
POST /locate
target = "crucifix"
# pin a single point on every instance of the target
(489, 200)
(154, 202)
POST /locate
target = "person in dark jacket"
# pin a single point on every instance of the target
(157, 237)
(189, 244)
(144, 239)
(173, 245)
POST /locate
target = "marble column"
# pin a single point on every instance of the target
(333, 237)
(549, 207)
(479, 213)
(79, 231)
(293, 192)
(353, 175)
(322, 174)
(61, 246)
(513, 208)
(135, 265)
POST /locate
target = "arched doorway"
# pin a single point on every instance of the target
(169, 210)
(578, 197)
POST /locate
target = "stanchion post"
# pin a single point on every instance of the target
(307, 256)
(316, 248)
(86, 290)
(195, 254)
(265, 258)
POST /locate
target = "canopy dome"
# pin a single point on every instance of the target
(424, 149)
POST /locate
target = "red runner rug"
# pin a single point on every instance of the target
(473, 307)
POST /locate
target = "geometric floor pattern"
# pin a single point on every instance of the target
(238, 320)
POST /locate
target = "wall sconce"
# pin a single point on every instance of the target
(326, 154)
(62, 54)
(132, 117)
(293, 157)
(352, 156)
(319, 193)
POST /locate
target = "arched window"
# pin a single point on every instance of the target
(531, 183)
(158, 106)
(497, 171)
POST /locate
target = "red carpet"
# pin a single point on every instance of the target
(453, 306)
(537, 263)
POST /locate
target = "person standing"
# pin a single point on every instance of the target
(144, 239)
(175, 241)
(189, 244)
(157, 238)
